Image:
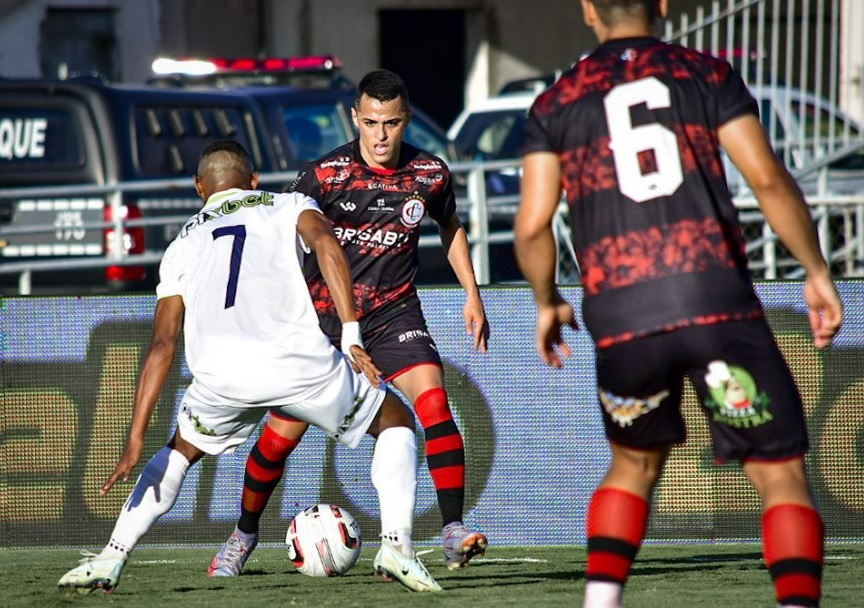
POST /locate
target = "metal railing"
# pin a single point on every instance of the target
(839, 220)
(789, 54)
(474, 210)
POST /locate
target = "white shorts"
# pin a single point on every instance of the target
(344, 407)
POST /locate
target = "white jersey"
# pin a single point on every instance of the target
(251, 332)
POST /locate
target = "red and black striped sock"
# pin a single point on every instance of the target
(617, 521)
(794, 545)
(445, 452)
(264, 468)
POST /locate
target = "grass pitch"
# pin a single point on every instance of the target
(667, 576)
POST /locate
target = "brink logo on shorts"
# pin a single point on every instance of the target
(733, 397)
(624, 410)
(412, 335)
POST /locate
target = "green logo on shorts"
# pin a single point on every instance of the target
(734, 398)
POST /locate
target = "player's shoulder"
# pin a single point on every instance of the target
(708, 66)
(337, 158)
(296, 200)
(416, 159)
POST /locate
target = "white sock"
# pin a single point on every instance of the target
(600, 594)
(394, 474)
(154, 494)
(401, 539)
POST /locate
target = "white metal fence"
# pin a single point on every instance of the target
(840, 221)
(791, 54)
(780, 46)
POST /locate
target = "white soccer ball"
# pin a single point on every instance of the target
(324, 540)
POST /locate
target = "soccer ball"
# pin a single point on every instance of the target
(323, 540)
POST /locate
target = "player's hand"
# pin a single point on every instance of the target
(476, 323)
(550, 343)
(126, 464)
(362, 361)
(825, 309)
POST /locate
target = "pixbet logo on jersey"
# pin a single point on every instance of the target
(413, 210)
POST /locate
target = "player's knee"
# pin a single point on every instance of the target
(433, 407)
(394, 413)
(779, 482)
(647, 465)
(189, 451)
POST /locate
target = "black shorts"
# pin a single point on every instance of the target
(742, 383)
(397, 338)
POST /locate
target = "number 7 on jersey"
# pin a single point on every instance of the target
(239, 234)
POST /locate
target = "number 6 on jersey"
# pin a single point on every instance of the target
(627, 141)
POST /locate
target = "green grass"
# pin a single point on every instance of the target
(667, 576)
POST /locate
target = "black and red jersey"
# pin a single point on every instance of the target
(376, 214)
(655, 231)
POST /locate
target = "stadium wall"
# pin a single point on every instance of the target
(535, 444)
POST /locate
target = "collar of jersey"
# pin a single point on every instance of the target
(218, 197)
(637, 41)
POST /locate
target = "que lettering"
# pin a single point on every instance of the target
(22, 138)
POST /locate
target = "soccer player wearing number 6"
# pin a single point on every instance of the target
(633, 135)
(233, 281)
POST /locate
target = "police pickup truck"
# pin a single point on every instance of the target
(75, 140)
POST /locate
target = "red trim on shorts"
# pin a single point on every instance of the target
(394, 375)
(761, 459)
(637, 448)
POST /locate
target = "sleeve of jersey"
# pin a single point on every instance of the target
(170, 274)
(444, 211)
(306, 182)
(536, 132)
(291, 206)
(733, 97)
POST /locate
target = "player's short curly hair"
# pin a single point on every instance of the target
(611, 11)
(382, 85)
(232, 149)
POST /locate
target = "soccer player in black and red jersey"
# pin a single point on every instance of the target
(633, 135)
(376, 190)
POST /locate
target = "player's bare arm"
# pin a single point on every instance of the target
(536, 253)
(787, 212)
(454, 239)
(317, 232)
(168, 321)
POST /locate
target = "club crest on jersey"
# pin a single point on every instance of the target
(624, 410)
(413, 210)
(733, 397)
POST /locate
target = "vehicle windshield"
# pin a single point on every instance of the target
(417, 134)
(494, 135)
(824, 127)
(314, 130)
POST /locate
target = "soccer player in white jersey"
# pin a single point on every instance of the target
(233, 281)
